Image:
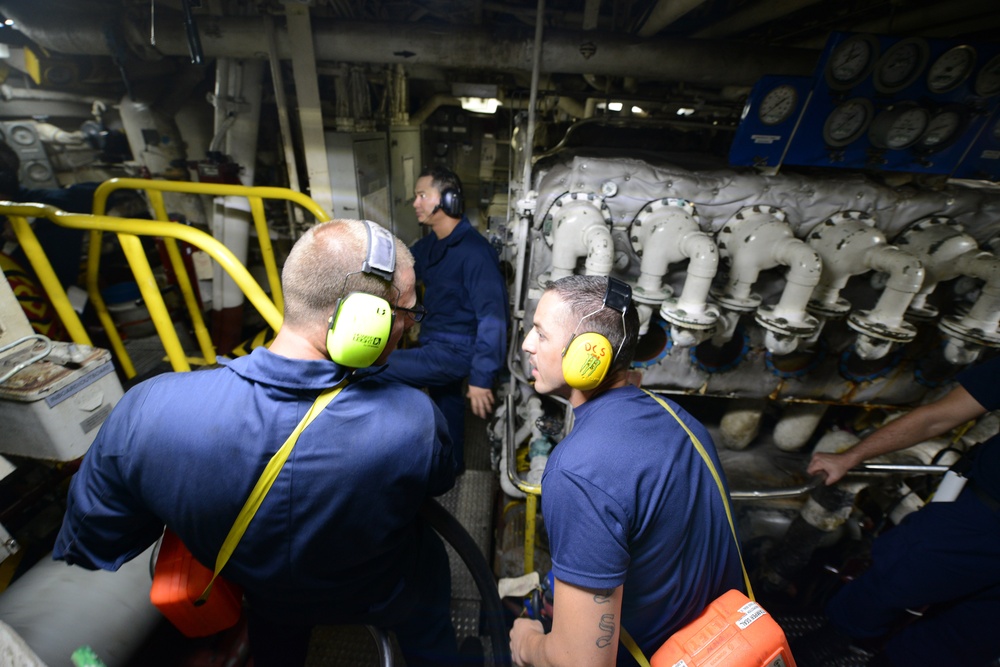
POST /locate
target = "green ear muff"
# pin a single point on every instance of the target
(586, 360)
(359, 330)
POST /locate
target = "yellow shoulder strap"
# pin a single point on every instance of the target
(718, 482)
(624, 636)
(263, 485)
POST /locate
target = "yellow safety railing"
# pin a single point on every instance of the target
(154, 192)
(129, 230)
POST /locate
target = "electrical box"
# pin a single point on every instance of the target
(52, 408)
(362, 184)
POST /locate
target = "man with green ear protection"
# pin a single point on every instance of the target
(337, 539)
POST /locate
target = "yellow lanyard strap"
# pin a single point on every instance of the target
(625, 637)
(263, 485)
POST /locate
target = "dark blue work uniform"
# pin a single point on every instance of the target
(338, 538)
(946, 555)
(465, 332)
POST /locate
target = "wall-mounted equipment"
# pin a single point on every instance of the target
(887, 104)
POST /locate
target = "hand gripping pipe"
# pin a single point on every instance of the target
(580, 229)
(758, 238)
(849, 244)
(667, 231)
(947, 252)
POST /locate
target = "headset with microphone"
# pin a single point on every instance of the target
(588, 356)
(361, 324)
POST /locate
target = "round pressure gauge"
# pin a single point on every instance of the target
(847, 122)
(899, 126)
(988, 79)
(951, 68)
(943, 129)
(851, 61)
(900, 65)
(778, 104)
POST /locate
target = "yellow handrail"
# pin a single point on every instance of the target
(154, 191)
(128, 231)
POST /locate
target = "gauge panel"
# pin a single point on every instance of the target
(851, 62)
(847, 122)
(899, 126)
(778, 104)
(901, 65)
(951, 69)
(943, 130)
(988, 78)
(860, 110)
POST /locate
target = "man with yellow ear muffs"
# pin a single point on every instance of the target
(630, 494)
(337, 538)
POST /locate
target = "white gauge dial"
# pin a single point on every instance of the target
(899, 126)
(988, 79)
(778, 105)
(851, 61)
(847, 122)
(951, 68)
(942, 130)
(900, 65)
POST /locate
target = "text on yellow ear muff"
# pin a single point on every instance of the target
(586, 361)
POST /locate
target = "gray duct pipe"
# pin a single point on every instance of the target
(569, 52)
(56, 608)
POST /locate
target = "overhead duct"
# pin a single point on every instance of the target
(565, 52)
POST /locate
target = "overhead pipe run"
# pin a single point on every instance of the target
(849, 244)
(686, 60)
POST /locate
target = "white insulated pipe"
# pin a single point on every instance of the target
(906, 276)
(849, 244)
(758, 238)
(579, 230)
(665, 232)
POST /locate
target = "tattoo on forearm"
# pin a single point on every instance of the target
(603, 597)
(607, 625)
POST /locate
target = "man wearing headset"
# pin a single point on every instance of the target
(464, 334)
(337, 539)
(637, 527)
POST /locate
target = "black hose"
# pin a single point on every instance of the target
(455, 534)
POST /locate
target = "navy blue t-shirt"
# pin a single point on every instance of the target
(627, 499)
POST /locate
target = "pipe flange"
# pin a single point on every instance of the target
(684, 319)
(834, 310)
(952, 326)
(864, 322)
(683, 205)
(548, 221)
(924, 313)
(651, 297)
(782, 325)
(746, 304)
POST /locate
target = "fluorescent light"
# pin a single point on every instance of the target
(614, 106)
(637, 110)
(480, 104)
(685, 111)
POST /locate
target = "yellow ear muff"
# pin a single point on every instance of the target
(359, 330)
(586, 360)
